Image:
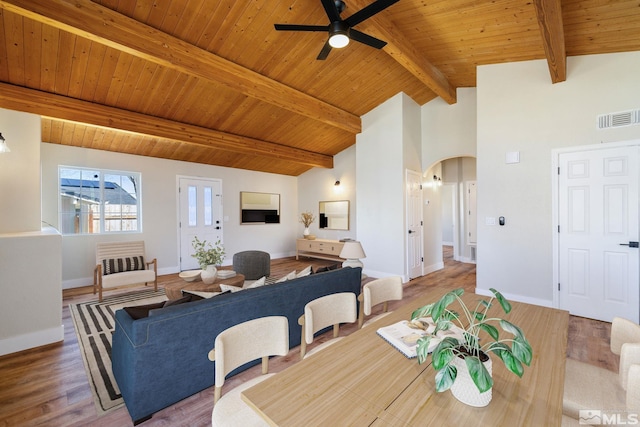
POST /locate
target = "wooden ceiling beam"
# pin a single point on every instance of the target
(60, 107)
(403, 52)
(549, 13)
(100, 24)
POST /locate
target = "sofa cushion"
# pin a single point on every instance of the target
(229, 288)
(199, 295)
(327, 268)
(289, 276)
(248, 284)
(184, 299)
(118, 265)
(142, 311)
(304, 272)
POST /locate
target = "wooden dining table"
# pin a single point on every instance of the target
(362, 380)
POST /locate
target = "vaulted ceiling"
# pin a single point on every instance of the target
(211, 81)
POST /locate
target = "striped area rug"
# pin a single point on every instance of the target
(94, 324)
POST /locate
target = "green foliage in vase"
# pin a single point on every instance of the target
(514, 350)
(206, 253)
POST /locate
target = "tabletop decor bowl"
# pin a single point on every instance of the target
(190, 275)
(463, 364)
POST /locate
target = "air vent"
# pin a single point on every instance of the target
(622, 118)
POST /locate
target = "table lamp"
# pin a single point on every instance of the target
(352, 251)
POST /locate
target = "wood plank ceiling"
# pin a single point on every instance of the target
(211, 81)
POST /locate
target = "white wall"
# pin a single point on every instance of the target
(449, 130)
(388, 145)
(318, 185)
(20, 172)
(160, 209)
(520, 110)
(432, 218)
(30, 257)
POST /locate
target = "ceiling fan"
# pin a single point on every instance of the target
(341, 30)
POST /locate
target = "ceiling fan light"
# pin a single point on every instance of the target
(338, 40)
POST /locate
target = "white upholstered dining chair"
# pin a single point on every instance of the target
(235, 346)
(588, 387)
(376, 292)
(323, 312)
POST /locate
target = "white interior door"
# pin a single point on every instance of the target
(200, 215)
(414, 224)
(598, 218)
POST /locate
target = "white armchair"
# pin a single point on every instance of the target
(122, 263)
(589, 387)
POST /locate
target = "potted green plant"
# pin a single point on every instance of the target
(461, 359)
(209, 257)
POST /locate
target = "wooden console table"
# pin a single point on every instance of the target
(319, 248)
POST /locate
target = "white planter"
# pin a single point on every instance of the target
(306, 231)
(209, 274)
(465, 390)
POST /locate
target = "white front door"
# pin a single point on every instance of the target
(598, 218)
(414, 224)
(200, 215)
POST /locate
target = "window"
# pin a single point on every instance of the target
(96, 201)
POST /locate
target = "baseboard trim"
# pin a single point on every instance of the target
(433, 267)
(518, 298)
(31, 340)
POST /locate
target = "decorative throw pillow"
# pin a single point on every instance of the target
(327, 268)
(142, 311)
(289, 276)
(199, 295)
(305, 272)
(178, 301)
(229, 288)
(118, 265)
(270, 280)
(248, 284)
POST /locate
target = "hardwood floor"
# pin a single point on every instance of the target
(48, 385)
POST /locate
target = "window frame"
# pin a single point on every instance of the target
(84, 226)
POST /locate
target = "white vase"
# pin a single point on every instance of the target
(306, 231)
(465, 390)
(209, 274)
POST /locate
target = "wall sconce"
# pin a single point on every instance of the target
(3, 145)
(437, 181)
(336, 187)
(337, 183)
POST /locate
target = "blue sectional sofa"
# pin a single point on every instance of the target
(161, 359)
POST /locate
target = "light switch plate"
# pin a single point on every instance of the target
(512, 157)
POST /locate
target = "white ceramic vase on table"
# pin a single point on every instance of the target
(465, 390)
(209, 274)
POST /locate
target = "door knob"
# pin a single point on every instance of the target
(410, 231)
(631, 244)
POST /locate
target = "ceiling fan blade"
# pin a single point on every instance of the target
(295, 27)
(331, 10)
(324, 52)
(368, 11)
(366, 39)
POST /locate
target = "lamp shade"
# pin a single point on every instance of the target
(352, 250)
